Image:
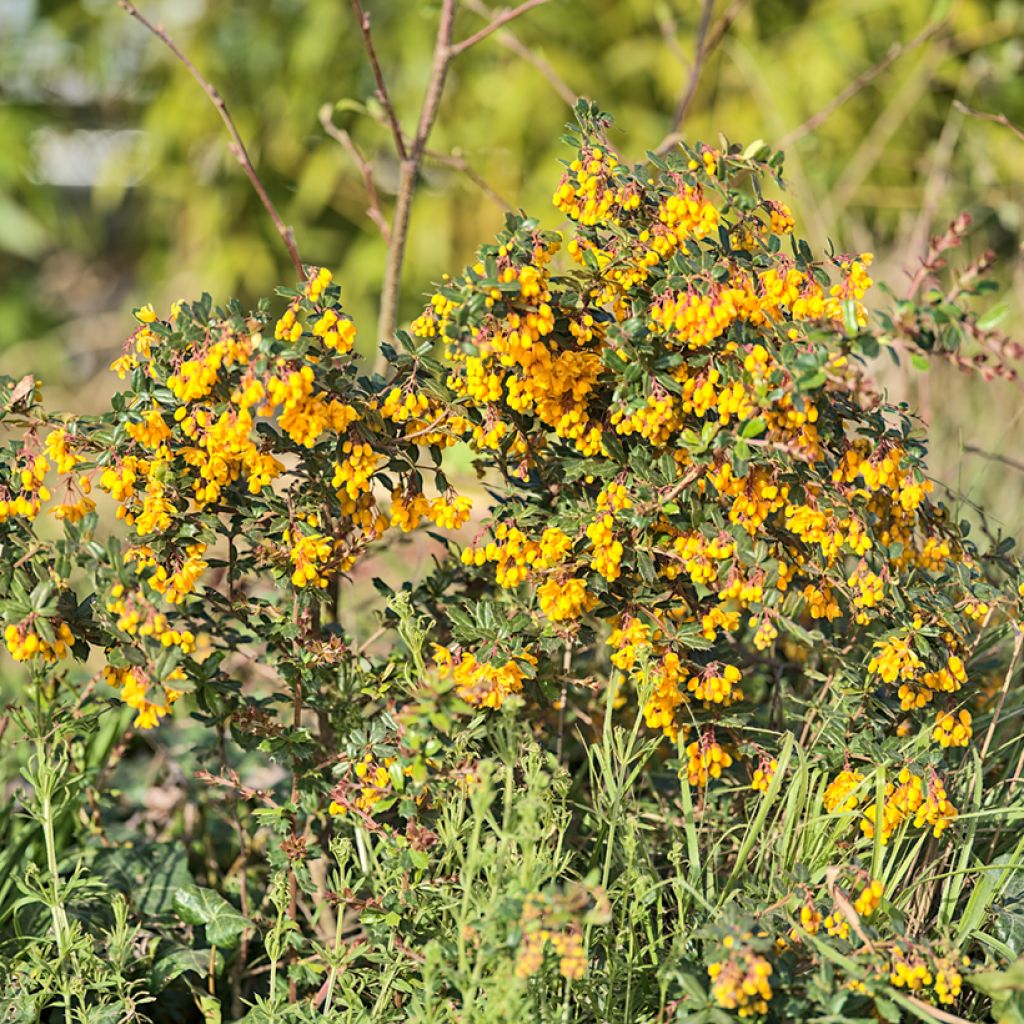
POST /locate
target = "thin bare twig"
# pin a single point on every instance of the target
(995, 457)
(343, 138)
(412, 151)
(237, 146)
(500, 18)
(512, 42)
(861, 82)
(700, 55)
(457, 162)
(983, 115)
(382, 90)
(388, 319)
(669, 29)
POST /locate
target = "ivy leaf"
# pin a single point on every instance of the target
(174, 960)
(223, 923)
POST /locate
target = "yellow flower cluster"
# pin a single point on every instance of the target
(741, 983)
(870, 898)
(26, 641)
(705, 760)
(839, 794)
(482, 683)
(897, 661)
(517, 556)
(588, 192)
(33, 491)
(763, 774)
(60, 453)
(565, 600)
(668, 693)
(310, 554)
(539, 932)
(912, 972)
(627, 639)
(953, 730)
(717, 687)
(606, 550)
(910, 799)
(337, 332)
(374, 784)
(174, 584)
(135, 688)
(136, 616)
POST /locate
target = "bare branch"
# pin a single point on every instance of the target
(388, 319)
(382, 90)
(512, 42)
(457, 162)
(983, 115)
(499, 19)
(861, 82)
(995, 457)
(343, 138)
(700, 55)
(236, 146)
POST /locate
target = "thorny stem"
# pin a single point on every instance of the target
(237, 146)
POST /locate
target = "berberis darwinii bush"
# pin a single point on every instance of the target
(709, 716)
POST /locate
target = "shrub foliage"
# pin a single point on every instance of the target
(704, 709)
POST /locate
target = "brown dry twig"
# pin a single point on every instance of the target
(513, 43)
(700, 56)
(382, 90)
(343, 139)
(236, 146)
(708, 38)
(983, 115)
(861, 82)
(411, 151)
(500, 18)
(410, 166)
(230, 780)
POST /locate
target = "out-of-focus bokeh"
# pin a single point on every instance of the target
(117, 186)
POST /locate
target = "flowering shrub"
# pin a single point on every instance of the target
(710, 715)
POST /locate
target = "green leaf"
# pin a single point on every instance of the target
(994, 316)
(223, 923)
(174, 960)
(850, 316)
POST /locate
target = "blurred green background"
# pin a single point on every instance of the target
(117, 187)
